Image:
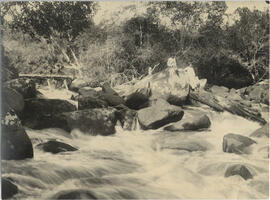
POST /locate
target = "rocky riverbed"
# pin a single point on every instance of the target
(149, 139)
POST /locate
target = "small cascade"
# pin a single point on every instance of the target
(49, 85)
(135, 124)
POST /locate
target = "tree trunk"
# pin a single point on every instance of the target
(223, 104)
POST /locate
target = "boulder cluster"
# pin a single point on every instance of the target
(158, 101)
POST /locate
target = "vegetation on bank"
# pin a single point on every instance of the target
(55, 37)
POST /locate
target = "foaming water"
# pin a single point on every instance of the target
(144, 164)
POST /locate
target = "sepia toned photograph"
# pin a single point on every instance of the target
(134, 100)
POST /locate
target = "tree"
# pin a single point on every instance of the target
(249, 41)
(58, 23)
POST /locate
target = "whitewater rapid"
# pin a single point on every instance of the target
(144, 164)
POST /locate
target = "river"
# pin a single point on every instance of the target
(144, 164)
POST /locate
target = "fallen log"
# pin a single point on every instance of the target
(221, 104)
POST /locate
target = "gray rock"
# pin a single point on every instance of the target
(15, 143)
(9, 189)
(87, 102)
(11, 99)
(195, 121)
(75, 194)
(55, 147)
(159, 114)
(240, 170)
(234, 143)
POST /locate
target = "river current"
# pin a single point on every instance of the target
(144, 164)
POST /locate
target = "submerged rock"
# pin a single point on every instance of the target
(15, 143)
(56, 147)
(234, 143)
(159, 114)
(190, 122)
(26, 87)
(240, 170)
(9, 189)
(261, 132)
(75, 194)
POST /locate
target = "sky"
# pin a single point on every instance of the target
(109, 7)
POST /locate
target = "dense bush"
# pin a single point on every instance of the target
(234, 55)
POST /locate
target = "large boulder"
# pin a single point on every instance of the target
(98, 121)
(240, 170)
(74, 194)
(172, 81)
(15, 143)
(12, 99)
(9, 189)
(159, 114)
(110, 96)
(258, 92)
(234, 143)
(261, 132)
(190, 122)
(26, 87)
(138, 99)
(37, 110)
(56, 147)
(87, 102)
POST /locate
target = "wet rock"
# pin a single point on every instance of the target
(9, 189)
(159, 114)
(261, 132)
(240, 170)
(177, 101)
(12, 99)
(234, 143)
(90, 102)
(15, 143)
(55, 147)
(110, 96)
(138, 99)
(26, 87)
(98, 121)
(75, 194)
(37, 111)
(112, 100)
(190, 122)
